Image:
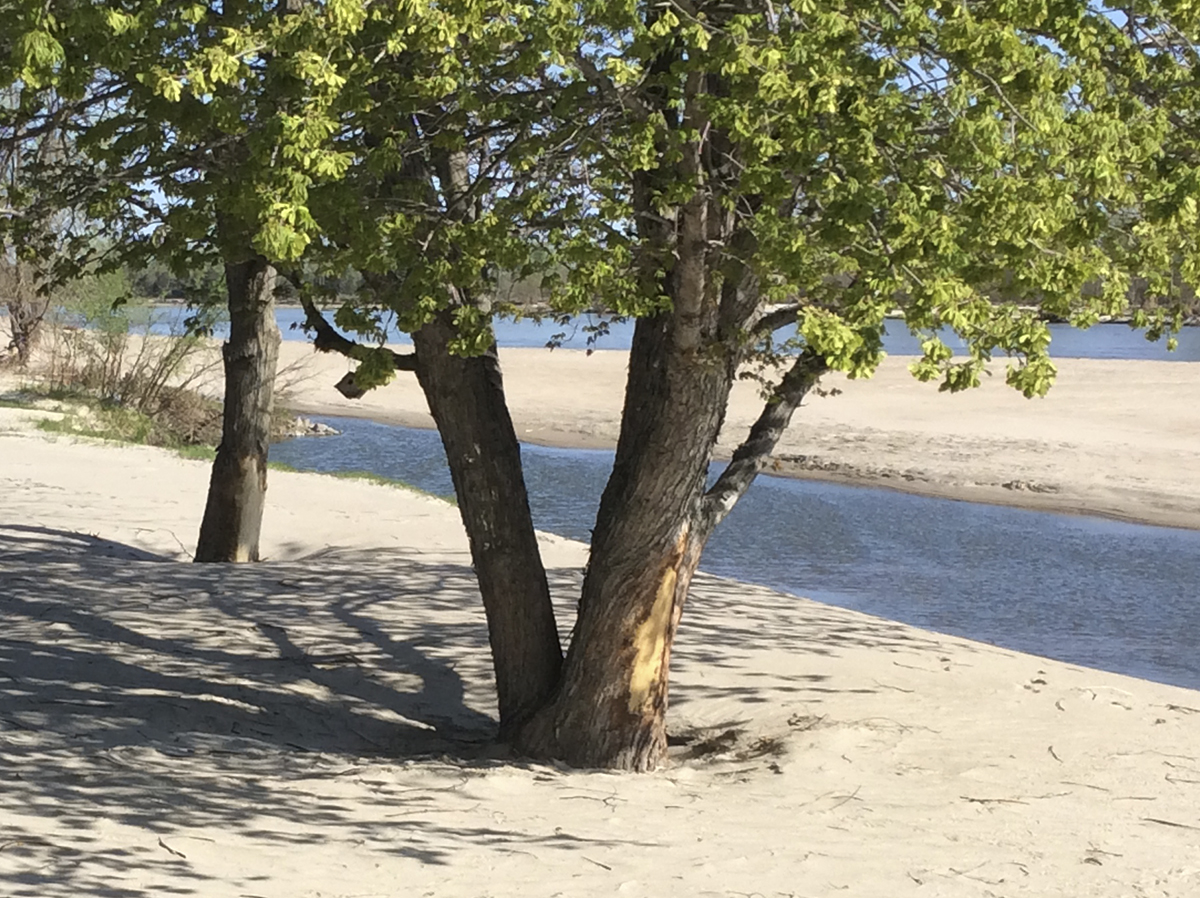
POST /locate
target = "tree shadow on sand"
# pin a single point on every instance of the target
(157, 696)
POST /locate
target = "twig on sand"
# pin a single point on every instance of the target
(1085, 785)
(1050, 748)
(170, 850)
(1162, 822)
(178, 541)
(597, 863)
(1183, 709)
(846, 798)
(914, 667)
(992, 800)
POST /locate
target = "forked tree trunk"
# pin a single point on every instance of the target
(466, 398)
(237, 490)
(651, 529)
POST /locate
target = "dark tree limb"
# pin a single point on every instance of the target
(775, 318)
(751, 457)
(609, 90)
(329, 340)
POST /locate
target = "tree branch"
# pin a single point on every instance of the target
(609, 90)
(751, 457)
(329, 340)
(775, 318)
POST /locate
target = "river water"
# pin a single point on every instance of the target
(1104, 341)
(1121, 597)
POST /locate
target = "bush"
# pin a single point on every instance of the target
(137, 377)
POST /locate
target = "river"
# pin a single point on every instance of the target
(1104, 341)
(1122, 597)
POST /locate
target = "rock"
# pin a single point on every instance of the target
(303, 427)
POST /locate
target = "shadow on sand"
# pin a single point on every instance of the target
(145, 693)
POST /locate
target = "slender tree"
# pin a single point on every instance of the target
(198, 132)
(37, 237)
(443, 133)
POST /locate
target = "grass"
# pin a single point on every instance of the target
(368, 476)
(87, 416)
(105, 421)
(199, 453)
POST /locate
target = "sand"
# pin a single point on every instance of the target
(317, 724)
(1119, 439)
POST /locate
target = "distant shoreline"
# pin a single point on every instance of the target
(546, 311)
(1114, 439)
(1016, 495)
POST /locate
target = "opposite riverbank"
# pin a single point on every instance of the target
(1118, 439)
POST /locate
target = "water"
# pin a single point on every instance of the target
(1121, 597)
(1104, 341)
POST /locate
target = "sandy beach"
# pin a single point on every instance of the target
(1119, 439)
(317, 725)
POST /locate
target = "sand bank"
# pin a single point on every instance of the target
(317, 725)
(1114, 438)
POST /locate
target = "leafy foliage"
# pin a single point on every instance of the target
(977, 167)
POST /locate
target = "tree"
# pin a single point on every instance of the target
(718, 171)
(33, 244)
(196, 133)
(742, 167)
(443, 135)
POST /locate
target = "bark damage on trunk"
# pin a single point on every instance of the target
(609, 708)
(656, 514)
(237, 490)
(655, 519)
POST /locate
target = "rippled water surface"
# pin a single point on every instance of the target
(1122, 597)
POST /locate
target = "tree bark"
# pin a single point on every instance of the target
(466, 398)
(26, 308)
(233, 513)
(650, 531)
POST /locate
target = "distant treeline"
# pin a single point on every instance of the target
(207, 285)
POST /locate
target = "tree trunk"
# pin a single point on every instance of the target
(466, 398)
(24, 322)
(26, 309)
(236, 492)
(651, 529)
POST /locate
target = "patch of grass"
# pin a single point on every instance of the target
(94, 418)
(87, 416)
(121, 425)
(372, 477)
(200, 453)
(368, 476)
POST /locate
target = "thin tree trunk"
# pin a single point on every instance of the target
(650, 531)
(24, 321)
(233, 513)
(466, 398)
(26, 309)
